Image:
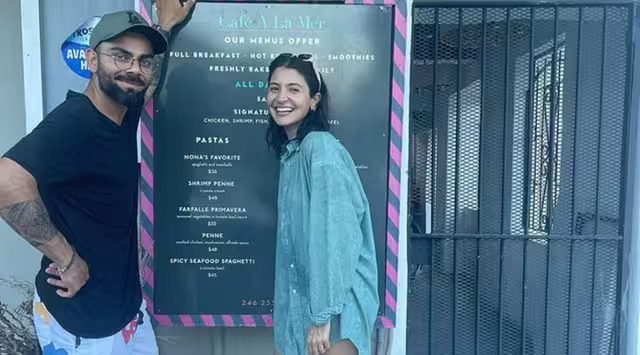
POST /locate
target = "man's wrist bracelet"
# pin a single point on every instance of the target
(61, 270)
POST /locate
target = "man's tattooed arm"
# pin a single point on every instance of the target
(31, 220)
(159, 72)
(23, 210)
(173, 16)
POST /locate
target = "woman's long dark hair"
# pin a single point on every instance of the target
(316, 120)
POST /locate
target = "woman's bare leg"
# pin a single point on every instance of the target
(343, 347)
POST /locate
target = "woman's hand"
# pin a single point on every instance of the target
(318, 339)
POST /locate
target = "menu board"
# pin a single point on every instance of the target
(215, 180)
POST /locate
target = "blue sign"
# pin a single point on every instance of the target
(75, 46)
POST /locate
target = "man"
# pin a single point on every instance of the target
(69, 188)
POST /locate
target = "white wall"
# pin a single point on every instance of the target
(17, 258)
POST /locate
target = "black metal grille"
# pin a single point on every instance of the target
(518, 146)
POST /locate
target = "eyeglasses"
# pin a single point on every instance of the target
(125, 61)
(303, 56)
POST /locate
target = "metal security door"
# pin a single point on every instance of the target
(518, 151)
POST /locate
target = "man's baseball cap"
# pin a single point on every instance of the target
(114, 24)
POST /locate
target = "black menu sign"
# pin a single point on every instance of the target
(216, 181)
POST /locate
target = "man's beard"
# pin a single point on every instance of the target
(129, 97)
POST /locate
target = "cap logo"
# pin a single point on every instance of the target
(133, 19)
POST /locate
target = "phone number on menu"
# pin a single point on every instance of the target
(257, 302)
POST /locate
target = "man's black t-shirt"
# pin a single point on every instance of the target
(87, 173)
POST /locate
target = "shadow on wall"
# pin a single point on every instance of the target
(17, 334)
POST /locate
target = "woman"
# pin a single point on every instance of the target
(326, 298)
